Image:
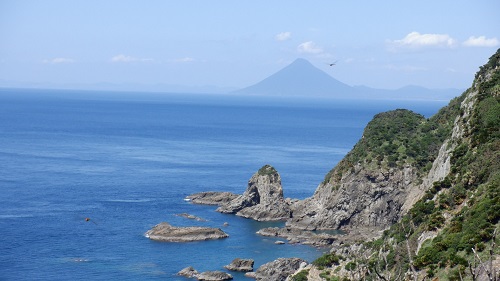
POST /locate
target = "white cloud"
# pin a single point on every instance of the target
(59, 60)
(124, 58)
(416, 40)
(185, 59)
(310, 48)
(481, 41)
(283, 36)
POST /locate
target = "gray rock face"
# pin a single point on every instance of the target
(211, 197)
(214, 276)
(263, 199)
(188, 272)
(363, 198)
(168, 233)
(243, 265)
(295, 236)
(279, 269)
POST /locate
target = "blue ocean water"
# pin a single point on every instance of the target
(126, 161)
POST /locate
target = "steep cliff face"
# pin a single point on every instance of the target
(361, 198)
(390, 167)
(400, 157)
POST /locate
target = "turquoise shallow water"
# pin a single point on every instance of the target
(126, 161)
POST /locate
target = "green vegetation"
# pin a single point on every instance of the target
(398, 138)
(470, 194)
(301, 276)
(460, 213)
(327, 260)
(267, 170)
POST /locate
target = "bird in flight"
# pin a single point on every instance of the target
(333, 63)
(88, 219)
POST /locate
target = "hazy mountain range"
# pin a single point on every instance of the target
(300, 78)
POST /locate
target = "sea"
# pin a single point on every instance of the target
(84, 174)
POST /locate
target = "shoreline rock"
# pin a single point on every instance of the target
(243, 265)
(168, 233)
(299, 236)
(280, 269)
(211, 198)
(188, 272)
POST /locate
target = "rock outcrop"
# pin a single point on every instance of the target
(363, 198)
(168, 233)
(263, 199)
(295, 236)
(211, 198)
(188, 272)
(279, 269)
(243, 265)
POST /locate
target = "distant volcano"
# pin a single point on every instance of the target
(300, 78)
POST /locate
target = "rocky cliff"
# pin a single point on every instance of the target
(262, 200)
(431, 184)
(386, 171)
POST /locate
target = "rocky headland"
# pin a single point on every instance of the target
(407, 176)
(168, 233)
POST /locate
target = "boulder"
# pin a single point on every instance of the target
(188, 272)
(214, 276)
(168, 233)
(243, 265)
(262, 200)
(279, 269)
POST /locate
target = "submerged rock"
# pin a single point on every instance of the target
(263, 199)
(191, 217)
(168, 233)
(243, 265)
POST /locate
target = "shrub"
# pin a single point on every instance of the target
(301, 276)
(327, 260)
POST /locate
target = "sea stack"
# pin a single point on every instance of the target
(263, 199)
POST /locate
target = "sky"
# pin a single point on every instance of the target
(234, 44)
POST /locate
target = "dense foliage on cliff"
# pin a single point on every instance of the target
(470, 194)
(400, 137)
(451, 232)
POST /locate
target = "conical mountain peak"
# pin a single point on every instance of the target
(300, 78)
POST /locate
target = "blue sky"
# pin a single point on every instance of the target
(228, 43)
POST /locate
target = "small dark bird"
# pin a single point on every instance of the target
(88, 219)
(333, 63)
